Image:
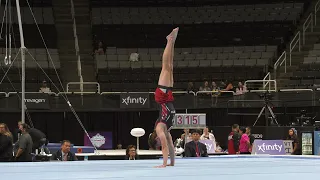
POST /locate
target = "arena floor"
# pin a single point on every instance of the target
(223, 167)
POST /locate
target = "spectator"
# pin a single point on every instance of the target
(233, 140)
(131, 153)
(241, 89)
(205, 87)
(119, 146)
(44, 88)
(38, 137)
(218, 147)
(99, 50)
(6, 141)
(293, 135)
(229, 86)
(214, 86)
(64, 154)
(207, 135)
(195, 148)
(24, 145)
(251, 137)
(244, 142)
(191, 87)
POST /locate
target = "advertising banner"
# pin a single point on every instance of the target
(271, 147)
(102, 140)
(134, 101)
(36, 101)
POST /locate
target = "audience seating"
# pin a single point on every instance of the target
(197, 15)
(201, 35)
(189, 57)
(146, 79)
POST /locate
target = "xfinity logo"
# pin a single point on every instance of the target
(209, 146)
(265, 147)
(35, 101)
(130, 100)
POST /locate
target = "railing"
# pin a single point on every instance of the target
(282, 59)
(316, 9)
(263, 81)
(294, 90)
(267, 77)
(76, 43)
(210, 92)
(294, 42)
(306, 24)
(84, 83)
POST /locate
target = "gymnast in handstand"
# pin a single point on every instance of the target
(164, 97)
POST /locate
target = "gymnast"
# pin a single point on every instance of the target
(164, 97)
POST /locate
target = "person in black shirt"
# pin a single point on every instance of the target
(64, 154)
(251, 137)
(6, 148)
(24, 145)
(293, 135)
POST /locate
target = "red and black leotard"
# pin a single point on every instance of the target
(164, 97)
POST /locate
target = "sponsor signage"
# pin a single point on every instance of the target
(134, 101)
(271, 147)
(101, 140)
(36, 101)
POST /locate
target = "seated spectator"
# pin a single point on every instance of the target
(131, 153)
(205, 87)
(44, 88)
(99, 50)
(119, 146)
(195, 148)
(214, 86)
(228, 87)
(24, 146)
(6, 142)
(191, 87)
(218, 147)
(64, 154)
(207, 135)
(241, 89)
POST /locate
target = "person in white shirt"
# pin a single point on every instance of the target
(241, 89)
(207, 135)
(44, 88)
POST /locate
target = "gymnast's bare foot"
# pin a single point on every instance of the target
(173, 35)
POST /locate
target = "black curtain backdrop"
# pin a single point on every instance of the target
(63, 125)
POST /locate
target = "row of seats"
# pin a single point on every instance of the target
(313, 56)
(32, 36)
(179, 3)
(169, 15)
(34, 58)
(193, 50)
(32, 3)
(102, 64)
(43, 15)
(191, 57)
(204, 35)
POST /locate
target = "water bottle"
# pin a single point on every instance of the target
(85, 158)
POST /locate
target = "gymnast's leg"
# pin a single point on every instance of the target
(166, 75)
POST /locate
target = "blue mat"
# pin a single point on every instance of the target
(264, 168)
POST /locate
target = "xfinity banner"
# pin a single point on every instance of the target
(134, 101)
(271, 147)
(36, 101)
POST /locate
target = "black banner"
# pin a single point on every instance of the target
(37, 101)
(134, 101)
